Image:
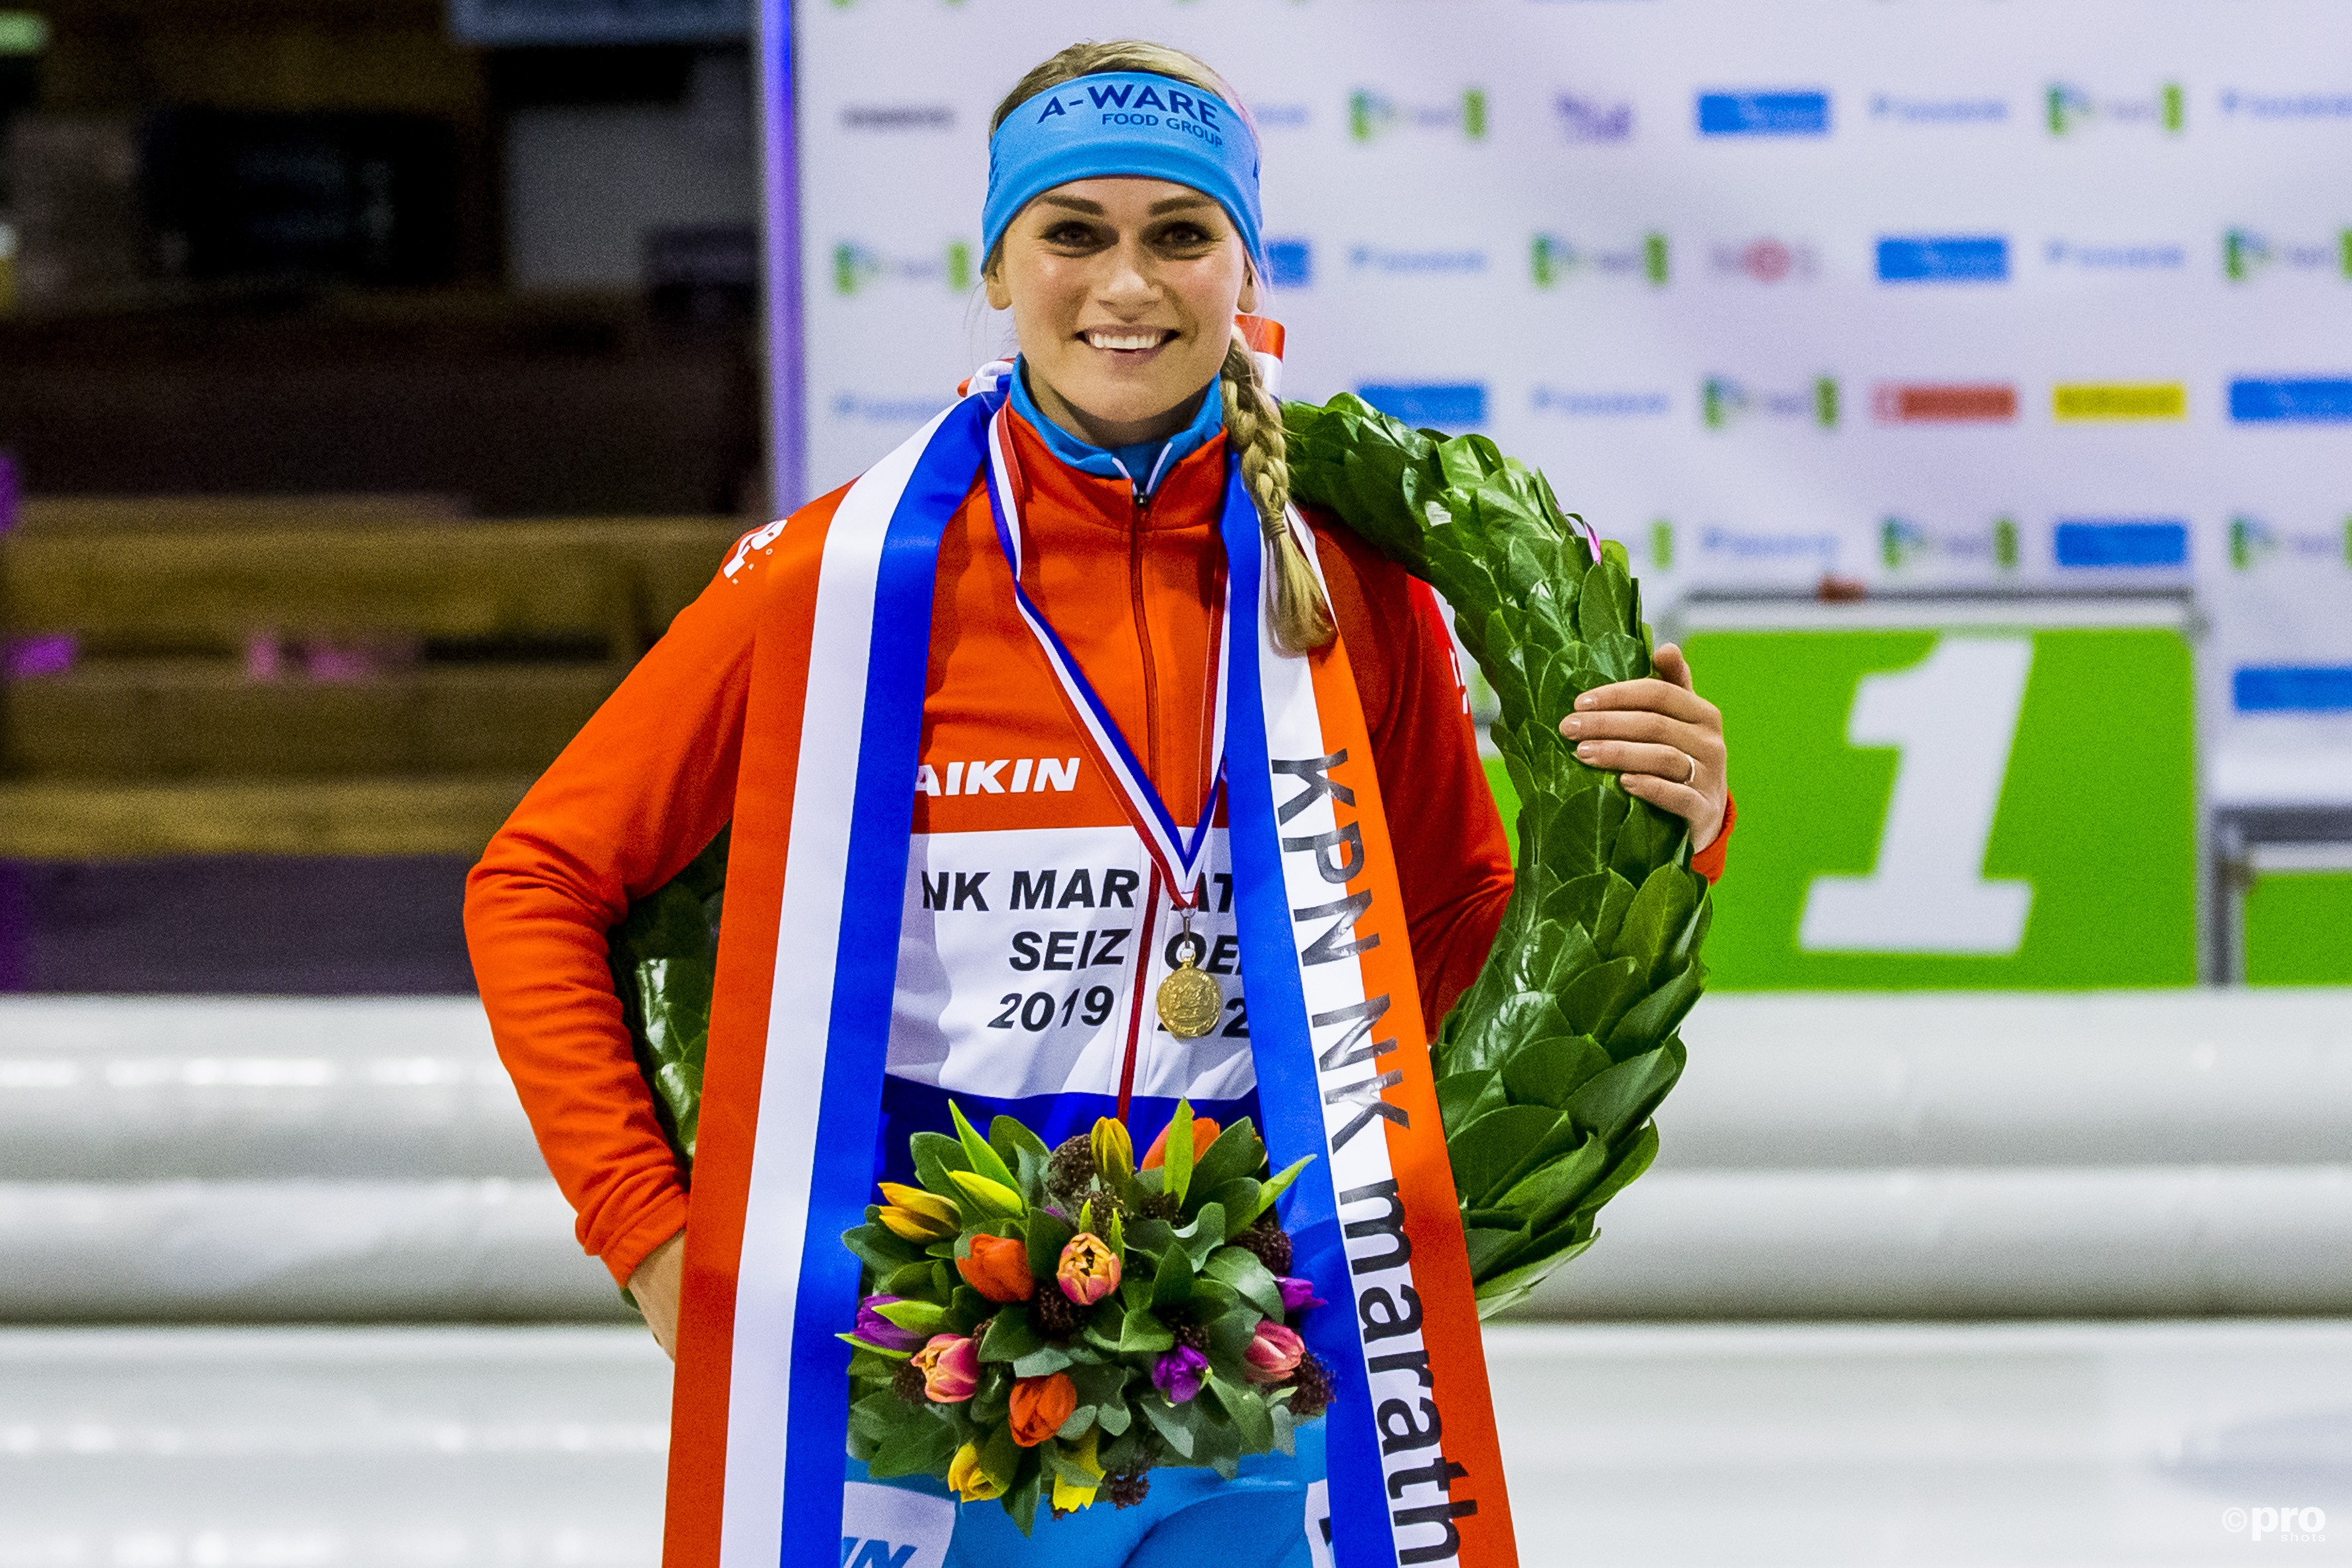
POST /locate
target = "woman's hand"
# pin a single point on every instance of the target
(656, 1286)
(1664, 737)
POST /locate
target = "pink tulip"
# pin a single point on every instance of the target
(950, 1367)
(1274, 1352)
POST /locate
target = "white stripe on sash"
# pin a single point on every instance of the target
(775, 1216)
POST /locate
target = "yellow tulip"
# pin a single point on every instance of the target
(1114, 1151)
(1068, 1496)
(991, 1196)
(970, 1482)
(913, 1215)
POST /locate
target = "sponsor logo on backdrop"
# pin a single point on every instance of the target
(2254, 541)
(2101, 543)
(1906, 545)
(1783, 113)
(2071, 109)
(883, 408)
(1766, 548)
(2115, 256)
(2292, 687)
(2293, 400)
(857, 268)
(1282, 116)
(1445, 405)
(1372, 114)
(1554, 259)
(1944, 403)
(886, 117)
(2245, 103)
(1662, 544)
(1724, 401)
(1942, 259)
(1587, 120)
(1290, 263)
(1919, 108)
(1415, 261)
(1601, 403)
(1765, 259)
(2073, 401)
(2248, 253)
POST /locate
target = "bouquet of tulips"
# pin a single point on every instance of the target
(1049, 1325)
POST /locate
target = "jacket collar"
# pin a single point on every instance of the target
(1191, 492)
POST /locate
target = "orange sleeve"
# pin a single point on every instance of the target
(645, 785)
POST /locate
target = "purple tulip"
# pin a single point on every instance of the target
(1179, 1373)
(1297, 1294)
(876, 1330)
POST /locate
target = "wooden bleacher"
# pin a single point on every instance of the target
(464, 655)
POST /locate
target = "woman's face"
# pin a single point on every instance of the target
(1122, 293)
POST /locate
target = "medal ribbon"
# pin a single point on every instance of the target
(1177, 853)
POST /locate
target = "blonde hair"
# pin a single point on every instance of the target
(1300, 614)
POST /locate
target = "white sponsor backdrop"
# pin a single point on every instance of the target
(1929, 293)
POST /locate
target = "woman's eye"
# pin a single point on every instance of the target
(1185, 236)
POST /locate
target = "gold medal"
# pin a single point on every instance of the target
(1190, 1000)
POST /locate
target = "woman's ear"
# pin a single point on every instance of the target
(992, 278)
(1247, 303)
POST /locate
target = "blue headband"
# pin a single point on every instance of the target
(1131, 124)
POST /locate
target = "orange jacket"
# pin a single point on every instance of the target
(1132, 588)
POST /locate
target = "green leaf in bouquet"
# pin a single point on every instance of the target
(1042, 1363)
(937, 1154)
(1230, 1333)
(1000, 1456)
(1624, 1095)
(1021, 1502)
(916, 1317)
(1488, 1040)
(1008, 1137)
(1211, 1297)
(983, 1159)
(1486, 1150)
(1274, 1187)
(1113, 1416)
(1177, 1172)
(1515, 1283)
(1204, 1233)
(1249, 1278)
(1284, 1424)
(877, 1248)
(1010, 1335)
(908, 1279)
(1236, 1155)
(987, 1195)
(867, 1348)
(1546, 1071)
(1170, 1421)
(1238, 1198)
(875, 1415)
(1171, 1281)
(1545, 1194)
(1608, 921)
(921, 1446)
(1140, 1333)
(1247, 1412)
(1048, 1234)
(1559, 1141)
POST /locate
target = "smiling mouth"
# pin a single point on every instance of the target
(1130, 341)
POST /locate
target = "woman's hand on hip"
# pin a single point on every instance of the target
(1664, 737)
(655, 1285)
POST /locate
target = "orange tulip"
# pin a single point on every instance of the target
(1204, 1133)
(998, 1269)
(1040, 1405)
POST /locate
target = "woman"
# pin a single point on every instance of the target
(1073, 693)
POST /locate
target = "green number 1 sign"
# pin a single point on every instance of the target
(1951, 796)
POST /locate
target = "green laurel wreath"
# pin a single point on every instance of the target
(1549, 1066)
